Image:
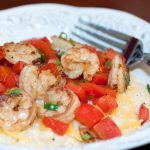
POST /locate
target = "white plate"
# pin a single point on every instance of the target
(48, 19)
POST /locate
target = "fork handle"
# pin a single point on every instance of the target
(146, 58)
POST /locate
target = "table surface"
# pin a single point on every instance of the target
(140, 8)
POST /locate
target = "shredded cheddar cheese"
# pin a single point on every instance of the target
(125, 115)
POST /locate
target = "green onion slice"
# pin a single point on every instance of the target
(108, 63)
(72, 42)
(51, 106)
(148, 88)
(127, 78)
(15, 91)
(86, 137)
(62, 53)
(63, 35)
(43, 57)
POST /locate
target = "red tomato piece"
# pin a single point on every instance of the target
(143, 113)
(4, 62)
(106, 129)
(2, 88)
(110, 54)
(45, 39)
(52, 67)
(97, 90)
(8, 77)
(44, 45)
(88, 115)
(18, 67)
(1, 55)
(57, 126)
(100, 78)
(106, 103)
(78, 91)
(4, 72)
(11, 80)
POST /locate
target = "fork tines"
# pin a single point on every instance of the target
(104, 38)
(108, 37)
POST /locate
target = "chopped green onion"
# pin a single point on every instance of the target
(63, 35)
(108, 63)
(72, 42)
(51, 106)
(86, 137)
(15, 91)
(62, 53)
(148, 88)
(43, 57)
(127, 78)
(58, 63)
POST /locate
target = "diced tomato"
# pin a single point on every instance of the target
(1, 55)
(8, 77)
(52, 67)
(11, 81)
(97, 90)
(106, 129)
(18, 67)
(57, 126)
(102, 58)
(110, 54)
(88, 115)
(100, 78)
(109, 91)
(143, 113)
(78, 91)
(44, 45)
(2, 88)
(4, 62)
(106, 103)
(4, 72)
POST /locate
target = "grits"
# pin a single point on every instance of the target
(125, 116)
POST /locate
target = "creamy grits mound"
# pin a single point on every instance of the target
(125, 116)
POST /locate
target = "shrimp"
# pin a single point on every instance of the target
(66, 100)
(61, 44)
(20, 52)
(117, 74)
(35, 83)
(76, 62)
(16, 112)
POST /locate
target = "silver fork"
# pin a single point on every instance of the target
(130, 47)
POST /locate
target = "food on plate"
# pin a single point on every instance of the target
(17, 111)
(35, 82)
(60, 104)
(20, 52)
(66, 93)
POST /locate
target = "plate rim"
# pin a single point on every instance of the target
(71, 7)
(28, 6)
